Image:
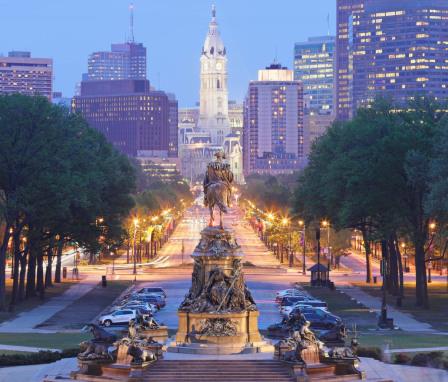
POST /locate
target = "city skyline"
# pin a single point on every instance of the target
(254, 33)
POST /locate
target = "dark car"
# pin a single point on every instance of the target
(152, 298)
(319, 319)
(152, 290)
(292, 300)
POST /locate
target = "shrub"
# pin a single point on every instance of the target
(370, 352)
(43, 356)
(431, 359)
(402, 359)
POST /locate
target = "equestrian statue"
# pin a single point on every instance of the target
(217, 189)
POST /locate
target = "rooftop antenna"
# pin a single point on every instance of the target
(131, 26)
(328, 23)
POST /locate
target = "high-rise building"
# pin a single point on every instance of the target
(399, 48)
(313, 65)
(21, 73)
(173, 125)
(273, 136)
(133, 118)
(124, 62)
(345, 8)
(209, 131)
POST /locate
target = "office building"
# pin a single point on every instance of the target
(345, 9)
(399, 48)
(123, 62)
(133, 118)
(173, 111)
(21, 73)
(273, 136)
(313, 65)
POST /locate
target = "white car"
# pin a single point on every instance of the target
(118, 317)
(143, 307)
(289, 292)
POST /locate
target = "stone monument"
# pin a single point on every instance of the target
(218, 315)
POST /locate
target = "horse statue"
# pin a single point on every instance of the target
(217, 189)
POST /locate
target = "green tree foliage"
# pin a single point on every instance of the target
(373, 174)
(58, 178)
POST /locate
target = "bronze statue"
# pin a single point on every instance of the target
(217, 189)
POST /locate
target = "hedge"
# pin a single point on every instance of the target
(43, 356)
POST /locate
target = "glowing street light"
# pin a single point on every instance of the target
(135, 234)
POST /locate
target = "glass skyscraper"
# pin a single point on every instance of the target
(400, 48)
(313, 65)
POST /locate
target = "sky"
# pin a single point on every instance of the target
(254, 32)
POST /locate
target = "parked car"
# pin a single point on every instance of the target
(118, 317)
(152, 290)
(309, 302)
(143, 307)
(151, 298)
(319, 319)
(291, 300)
(289, 293)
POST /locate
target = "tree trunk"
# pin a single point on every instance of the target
(368, 257)
(421, 290)
(400, 271)
(48, 271)
(31, 275)
(57, 274)
(394, 287)
(15, 282)
(40, 288)
(23, 262)
(3, 250)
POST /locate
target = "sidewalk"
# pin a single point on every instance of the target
(24, 348)
(403, 321)
(26, 321)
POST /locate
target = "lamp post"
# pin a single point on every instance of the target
(133, 252)
(318, 255)
(405, 256)
(432, 226)
(301, 222)
(327, 227)
(383, 268)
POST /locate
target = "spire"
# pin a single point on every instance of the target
(213, 45)
(131, 26)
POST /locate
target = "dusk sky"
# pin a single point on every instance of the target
(173, 31)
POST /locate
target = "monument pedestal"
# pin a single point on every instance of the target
(218, 315)
(241, 328)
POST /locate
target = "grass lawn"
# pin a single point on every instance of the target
(86, 308)
(403, 340)
(50, 341)
(343, 306)
(436, 316)
(33, 302)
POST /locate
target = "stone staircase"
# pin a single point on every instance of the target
(217, 371)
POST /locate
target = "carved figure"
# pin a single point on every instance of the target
(102, 335)
(295, 322)
(306, 334)
(217, 286)
(346, 351)
(94, 350)
(218, 327)
(296, 354)
(140, 355)
(337, 334)
(217, 189)
(144, 323)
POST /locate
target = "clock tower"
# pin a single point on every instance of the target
(213, 112)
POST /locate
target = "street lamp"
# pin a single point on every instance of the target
(405, 256)
(432, 227)
(327, 227)
(133, 252)
(301, 222)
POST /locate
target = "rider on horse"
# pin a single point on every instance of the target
(218, 173)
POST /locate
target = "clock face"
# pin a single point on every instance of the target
(218, 66)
